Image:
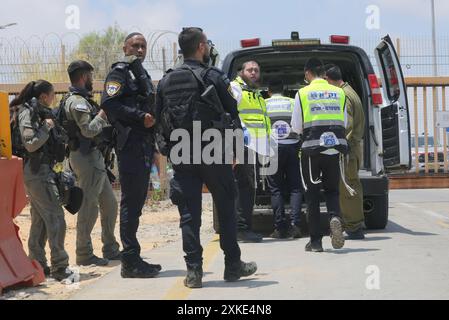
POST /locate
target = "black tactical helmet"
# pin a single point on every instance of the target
(71, 196)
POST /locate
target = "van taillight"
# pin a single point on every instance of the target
(250, 43)
(375, 89)
(340, 39)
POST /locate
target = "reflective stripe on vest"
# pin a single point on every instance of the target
(314, 143)
(324, 123)
(252, 111)
(323, 109)
(280, 111)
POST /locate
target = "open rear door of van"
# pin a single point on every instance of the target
(395, 112)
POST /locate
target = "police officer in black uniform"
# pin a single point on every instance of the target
(178, 105)
(128, 99)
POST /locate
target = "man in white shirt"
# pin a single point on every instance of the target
(287, 178)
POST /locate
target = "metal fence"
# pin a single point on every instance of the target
(22, 61)
(25, 60)
(427, 97)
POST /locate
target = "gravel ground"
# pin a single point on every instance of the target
(159, 226)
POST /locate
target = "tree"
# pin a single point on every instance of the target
(101, 49)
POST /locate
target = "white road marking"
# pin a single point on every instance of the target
(428, 212)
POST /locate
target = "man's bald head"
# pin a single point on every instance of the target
(135, 45)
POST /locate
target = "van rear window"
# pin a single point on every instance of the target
(391, 75)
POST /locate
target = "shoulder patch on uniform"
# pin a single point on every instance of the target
(112, 88)
(81, 107)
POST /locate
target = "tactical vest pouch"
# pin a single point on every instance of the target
(36, 159)
(60, 153)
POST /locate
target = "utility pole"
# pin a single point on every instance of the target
(434, 40)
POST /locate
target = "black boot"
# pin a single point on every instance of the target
(61, 274)
(157, 267)
(235, 271)
(315, 246)
(279, 234)
(295, 232)
(136, 268)
(355, 235)
(248, 236)
(93, 261)
(194, 278)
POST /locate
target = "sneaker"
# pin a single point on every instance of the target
(96, 261)
(194, 278)
(249, 237)
(295, 232)
(356, 235)
(61, 274)
(278, 234)
(139, 270)
(235, 271)
(315, 246)
(338, 240)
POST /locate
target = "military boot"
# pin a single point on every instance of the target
(93, 261)
(157, 267)
(138, 269)
(295, 232)
(194, 278)
(235, 271)
(337, 237)
(61, 274)
(315, 246)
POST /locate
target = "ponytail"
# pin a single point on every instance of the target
(34, 89)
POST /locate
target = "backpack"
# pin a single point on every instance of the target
(18, 149)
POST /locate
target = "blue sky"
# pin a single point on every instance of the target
(230, 20)
(227, 22)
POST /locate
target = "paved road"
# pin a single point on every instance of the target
(408, 260)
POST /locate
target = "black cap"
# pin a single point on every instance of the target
(314, 64)
(79, 65)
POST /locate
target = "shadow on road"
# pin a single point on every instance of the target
(246, 283)
(272, 240)
(396, 228)
(372, 239)
(347, 251)
(176, 274)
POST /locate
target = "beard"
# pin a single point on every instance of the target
(89, 86)
(250, 83)
(206, 59)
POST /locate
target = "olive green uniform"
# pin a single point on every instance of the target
(352, 206)
(47, 215)
(93, 180)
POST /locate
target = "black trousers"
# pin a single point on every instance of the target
(135, 162)
(287, 180)
(246, 191)
(186, 193)
(328, 167)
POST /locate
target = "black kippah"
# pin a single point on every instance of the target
(313, 63)
(131, 35)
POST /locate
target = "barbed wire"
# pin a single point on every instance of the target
(22, 60)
